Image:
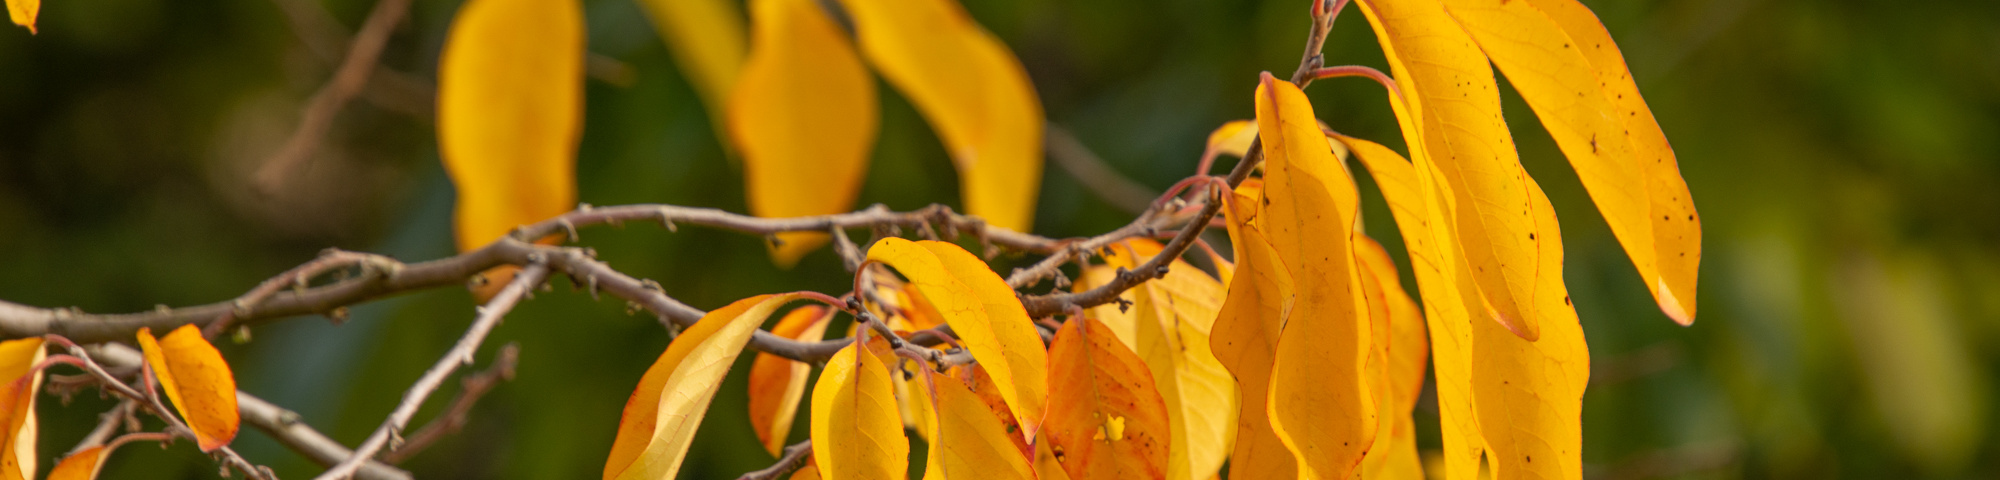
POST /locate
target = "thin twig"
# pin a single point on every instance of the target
(298, 278)
(362, 55)
(80, 358)
(471, 388)
(107, 425)
(1099, 178)
(795, 457)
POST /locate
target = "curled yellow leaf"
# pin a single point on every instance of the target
(197, 380)
(856, 431)
(23, 13)
(1246, 334)
(1396, 362)
(1106, 418)
(17, 406)
(657, 428)
(967, 440)
(777, 384)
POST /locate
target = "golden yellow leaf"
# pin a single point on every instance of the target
(808, 472)
(1232, 138)
(23, 12)
(1046, 466)
(1106, 418)
(83, 465)
(1246, 336)
(777, 384)
(657, 428)
(1445, 309)
(1169, 322)
(1397, 362)
(197, 380)
(1319, 406)
(17, 406)
(967, 439)
(984, 312)
(1564, 64)
(707, 42)
(974, 93)
(856, 431)
(803, 114)
(1450, 90)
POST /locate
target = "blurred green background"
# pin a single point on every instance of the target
(1844, 155)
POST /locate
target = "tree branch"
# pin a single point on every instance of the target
(795, 457)
(471, 388)
(362, 55)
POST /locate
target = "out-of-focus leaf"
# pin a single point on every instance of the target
(1913, 356)
(984, 312)
(1169, 322)
(1232, 138)
(1320, 406)
(1246, 336)
(197, 380)
(1397, 362)
(803, 114)
(967, 440)
(707, 42)
(1106, 418)
(974, 93)
(1530, 394)
(658, 427)
(23, 12)
(777, 384)
(856, 431)
(1450, 89)
(17, 406)
(83, 465)
(510, 111)
(1571, 73)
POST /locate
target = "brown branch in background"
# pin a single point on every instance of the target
(795, 457)
(297, 278)
(328, 40)
(471, 388)
(1099, 178)
(362, 55)
(461, 354)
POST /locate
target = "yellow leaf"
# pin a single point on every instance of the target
(1319, 405)
(83, 465)
(777, 384)
(1232, 138)
(706, 39)
(510, 107)
(1445, 309)
(804, 115)
(974, 93)
(856, 431)
(1450, 89)
(1397, 362)
(1246, 336)
(23, 13)
(919, 312)
(967, 439)
(197, 380)
(986, 315)
(657, 428)
(1170, 319)
(808, 472)
(1106, 418)
(17, 406)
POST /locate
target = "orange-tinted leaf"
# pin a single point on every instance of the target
(856, 431)
(23, 12)
(1246, 336)
(1319, 406)
(803, 115)
(1106, 418)
(657, 428)
(808, 472)
(1530, 394)
(83, 465)
(17, 406)
(1397, 362)
(1445, 309)
(777, 384)
(197, 380)
(706, 39)
(984, 312)
(1169, 323)
(974, 93)
(1450, 89)
(967, 440)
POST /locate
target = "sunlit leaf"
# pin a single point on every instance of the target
(23, 12)
(707, 42)
(1106, 418)
(777, 384)
(984, 312)
(1319, 406)
(1396, 362)
(1451, 92)
(803, 114)
(510, 107)
(856, 431)
(967, 440)
(1246, 336)
(17, 406)
(974, 93)
(198, 382)
(657, 427)
(1169, 323)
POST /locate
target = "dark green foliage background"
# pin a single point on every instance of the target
(1843, 155)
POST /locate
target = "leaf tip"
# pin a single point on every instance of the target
(1672, 305)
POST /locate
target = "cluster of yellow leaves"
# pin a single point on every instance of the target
(194, 375)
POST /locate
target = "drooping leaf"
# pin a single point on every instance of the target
(23, 12)
(198, 382)
(657, 427)
(1246, 336)
(17, 406)
(984, 312)
(856, 431)
(974, 93)
(803, 114)
(707, 41)
(1169, 322)
(1320, 406)
(1445, 311)
(510, 108)
(1397, 362)
(1106, 418)
(777, 384)
(1450, 90)
(82, 465)
(967, 440)
(1567, 68)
